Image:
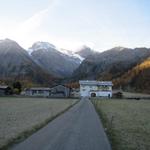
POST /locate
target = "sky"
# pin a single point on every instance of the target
(69, 24)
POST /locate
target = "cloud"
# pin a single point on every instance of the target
(29, 31)
(35, 21)
(32, 30)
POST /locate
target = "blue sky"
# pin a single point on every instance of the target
(100, 24)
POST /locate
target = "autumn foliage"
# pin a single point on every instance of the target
(73, 85)
(138, 77)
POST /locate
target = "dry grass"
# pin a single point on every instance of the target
(21, 115)
(130, 95)
(127, 123)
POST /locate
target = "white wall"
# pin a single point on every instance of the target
(85, 91)
(102, 93)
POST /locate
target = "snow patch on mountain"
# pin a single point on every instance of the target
(47, 47)
(71, 54)
(43, 45)
(40, 46)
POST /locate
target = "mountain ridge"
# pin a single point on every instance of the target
(52, 60)
(45, 64)
(15, 63)
(112, 61)
(136, 79)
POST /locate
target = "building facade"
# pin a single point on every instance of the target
(5, 90)
(59, 91)
(94, 88)
(75, 92)
(38, 91)
(56, 91)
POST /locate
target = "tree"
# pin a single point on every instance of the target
(17, 85)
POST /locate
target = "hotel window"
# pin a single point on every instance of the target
(105, 88)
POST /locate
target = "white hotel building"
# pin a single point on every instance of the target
(94, 88)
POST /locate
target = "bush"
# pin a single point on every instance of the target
(16, 91)
(118, 95)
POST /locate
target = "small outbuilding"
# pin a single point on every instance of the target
(5, 90)
(37, 91)
(60, 91)
(57, 91)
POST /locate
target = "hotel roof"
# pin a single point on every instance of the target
(94, 82)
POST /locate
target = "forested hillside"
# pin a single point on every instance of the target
(136, 79)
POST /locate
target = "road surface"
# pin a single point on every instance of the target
(77, 129)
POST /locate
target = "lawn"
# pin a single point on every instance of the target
(127, 123)
(20, 117)
(130, 95)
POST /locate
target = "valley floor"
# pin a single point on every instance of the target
(77, 129)
(131, 94)
(127, 122)
(22, 116)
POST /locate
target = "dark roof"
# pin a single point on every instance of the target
(59, 86)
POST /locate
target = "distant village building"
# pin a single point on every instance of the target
(60, 91)
(38, 91)
(57, 91)
(75, 92)
(94, 88)
(5, 90)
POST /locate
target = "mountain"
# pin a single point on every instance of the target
(110, 64)
(51, 59)
(85, 52)
(135, 79)
(45, 64)
(16, 64)
(72, 54)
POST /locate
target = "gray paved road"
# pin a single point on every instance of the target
(77, 129)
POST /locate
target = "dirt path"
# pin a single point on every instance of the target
(77, 129)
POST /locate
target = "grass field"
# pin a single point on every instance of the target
(127, 123)
(21, 116)
(130, 95)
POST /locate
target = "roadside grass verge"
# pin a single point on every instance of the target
(32, 129)
(126, 122)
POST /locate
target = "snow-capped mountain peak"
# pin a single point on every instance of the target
(50, 47)
(41, 46)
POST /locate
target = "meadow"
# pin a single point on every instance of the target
(20, 117)
(126, 122)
